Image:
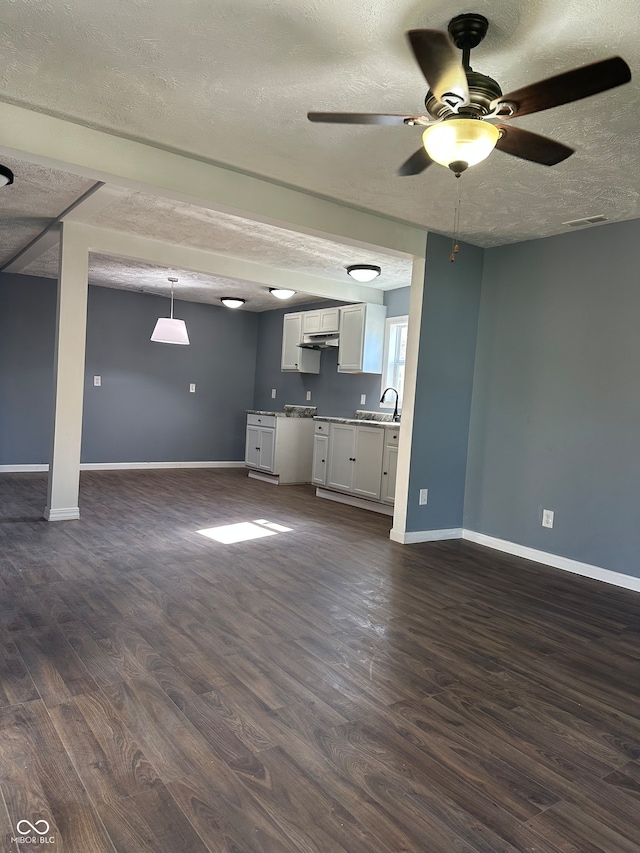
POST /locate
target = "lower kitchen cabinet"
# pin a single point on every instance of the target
(279, 449)
(355, 456)
(389, 466)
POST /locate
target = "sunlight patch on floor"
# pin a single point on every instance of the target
(243, 531)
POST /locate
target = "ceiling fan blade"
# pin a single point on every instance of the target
(570, 86)
(439, 61)
(531, 146)
(367, 118)
(417, 163)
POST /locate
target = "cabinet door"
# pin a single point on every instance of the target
(291, 337)
(310, 322)
(330, 320)
(368, 464)
(320, 460)
(267, 446)
(252, 447)
(389, 468)
(295, 358)
(351, 345)
(341, 456)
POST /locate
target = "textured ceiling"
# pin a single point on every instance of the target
(125, 274)
(32, 202)
(232, 82)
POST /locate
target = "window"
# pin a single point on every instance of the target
(395, 349)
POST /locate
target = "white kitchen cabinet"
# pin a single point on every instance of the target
(279, 449)
(297, 359)
(355, 459)
(389, 466)
(325, 320)
(342, 450)
(361, 338)
(367, 466)
(320, 459)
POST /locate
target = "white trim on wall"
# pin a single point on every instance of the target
(412, 537)
(554, 560)
(586, 570)
(123, 466)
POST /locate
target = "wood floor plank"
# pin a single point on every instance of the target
(324, 690)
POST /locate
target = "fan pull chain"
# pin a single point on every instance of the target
(455, 248)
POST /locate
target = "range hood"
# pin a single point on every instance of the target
(320, 340)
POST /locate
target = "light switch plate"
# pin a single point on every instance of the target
(192, 387)
(97, 381)
(308, 395)
(547, 518)
(273, 393)
(363, 399)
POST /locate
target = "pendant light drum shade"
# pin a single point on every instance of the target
(169, 330)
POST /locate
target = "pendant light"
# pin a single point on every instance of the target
(170, 330)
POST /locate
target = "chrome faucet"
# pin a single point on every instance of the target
(396, 416)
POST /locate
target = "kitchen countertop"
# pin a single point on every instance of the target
(289, 411)
(384, 422)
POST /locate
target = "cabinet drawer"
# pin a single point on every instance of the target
(321, 428)
(391, 436)
(261, 420)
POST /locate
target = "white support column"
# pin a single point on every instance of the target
(68, 377)
(405, 444)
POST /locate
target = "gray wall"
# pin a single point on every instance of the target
(333, 393)
(556, 404)
(143, 412)
(444, 379)
(27, 334)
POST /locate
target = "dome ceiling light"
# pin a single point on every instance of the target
(363, 272)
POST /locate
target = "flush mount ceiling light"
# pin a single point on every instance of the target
(6, 176)
(281, 292)
(232, 302)
(170, 330)
(363, 272)
(460, 142)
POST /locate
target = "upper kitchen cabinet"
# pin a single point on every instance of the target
(296, 359)
(324, 320)
(361, 338)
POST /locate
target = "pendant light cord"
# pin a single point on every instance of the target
(455, 248)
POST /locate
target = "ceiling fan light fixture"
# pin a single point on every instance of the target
(281, 292)
(6, 176)
(232, 301)
(363, 272)
(460, 140)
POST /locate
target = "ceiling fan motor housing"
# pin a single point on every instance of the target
(482, 91)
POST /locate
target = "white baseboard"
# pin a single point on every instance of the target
(70, 513)
(557, 562)
(351, 500)
(20, 469)
(412, 537)
(123, 466)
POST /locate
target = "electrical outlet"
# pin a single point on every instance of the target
(308, 395)
(547, 518)
(97, 381)
(273, 393)
(424, 494)
(192, 388)
(363, 399)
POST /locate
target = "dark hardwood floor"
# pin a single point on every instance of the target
(320, 689)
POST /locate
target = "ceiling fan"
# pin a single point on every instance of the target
(466, 109)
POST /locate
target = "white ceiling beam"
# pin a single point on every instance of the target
(171, 256)
(62, 144)
(89, 204)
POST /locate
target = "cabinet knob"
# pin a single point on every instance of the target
(257, 448)
(322, 460)
(384, 473)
